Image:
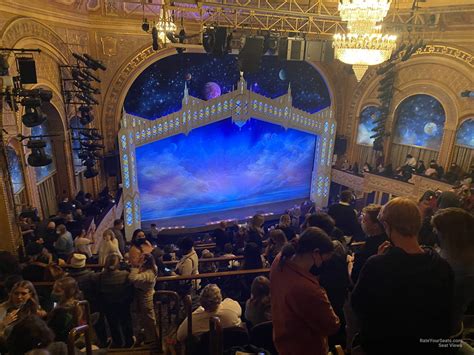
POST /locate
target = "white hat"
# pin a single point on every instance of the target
(78, 261)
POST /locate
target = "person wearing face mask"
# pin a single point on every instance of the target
(404, 293)
(64, 245)
(139, 247)
(302, 315)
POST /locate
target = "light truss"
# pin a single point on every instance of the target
(309, 17)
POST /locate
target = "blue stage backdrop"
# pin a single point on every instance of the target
(220, 167)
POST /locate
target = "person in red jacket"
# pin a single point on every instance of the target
(302, 314)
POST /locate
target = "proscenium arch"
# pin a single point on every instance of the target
(117, 91)
(239, 105)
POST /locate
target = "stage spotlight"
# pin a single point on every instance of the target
(38, 156)
(467, 93)
(89, 76)
(84, 85)
(92, 146)
(90, 173)
(86, 115)
(33, 116)
(145, 25)
(87, 98)
(4, 65)
(385, 68)
(154, 38)
(90, 62)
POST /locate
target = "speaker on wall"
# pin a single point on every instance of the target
(27, 69)
(112, 164)
(250, 55)
(340, 146)
(319, 51)
(291, 48)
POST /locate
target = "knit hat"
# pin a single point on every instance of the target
(78, 261)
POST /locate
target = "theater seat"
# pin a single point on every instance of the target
(262, 336)
(232, 336)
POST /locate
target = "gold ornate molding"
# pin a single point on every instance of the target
(452, 52)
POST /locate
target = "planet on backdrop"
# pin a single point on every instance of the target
(188, 76)
(282, 74)
(431, 128)
(211, 90)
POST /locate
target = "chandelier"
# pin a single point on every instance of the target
(363, 15)
(365, 45)
(164, 24)
(362, 50)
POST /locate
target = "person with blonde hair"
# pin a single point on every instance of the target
(22, 301)
(455, 228)
(109, 245)
(258, 307)
(228, 311)
(404, 293)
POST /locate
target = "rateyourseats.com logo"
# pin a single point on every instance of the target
(442, 343)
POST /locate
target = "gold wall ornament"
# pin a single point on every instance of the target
(109, 45)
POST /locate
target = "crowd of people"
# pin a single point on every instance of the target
(393, 279)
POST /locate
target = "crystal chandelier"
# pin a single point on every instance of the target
(165, 24)
(363, 15)
(362, 50)
(365, 44)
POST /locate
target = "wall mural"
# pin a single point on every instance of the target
(465, 134)
(158, 91)
(420, 122)
(367, 124)
(16, 171)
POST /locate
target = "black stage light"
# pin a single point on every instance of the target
(33, 115)
(154, 39)
(4, 66)
(209, 39)
(92, 146)
(386, 68)
(84, 85)
(89, 162)
(467, 93)
(94, 64)
(145, 25)
(38, 156)
(87, 99)
(89, 76)
(90, 173)
(86, 115)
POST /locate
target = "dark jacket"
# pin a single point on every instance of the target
(370, 248)
(346, 220)
(401, 298)
(114, 286)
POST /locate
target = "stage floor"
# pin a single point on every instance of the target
(239, 214)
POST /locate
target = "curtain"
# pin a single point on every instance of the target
(47, 195)
(365, 154)
(399, 153)
(463, 156)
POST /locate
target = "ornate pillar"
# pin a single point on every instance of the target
(446, 147)
(10, 236)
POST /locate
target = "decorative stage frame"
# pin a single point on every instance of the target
(240, 105)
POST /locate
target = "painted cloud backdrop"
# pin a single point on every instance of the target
(221, 167)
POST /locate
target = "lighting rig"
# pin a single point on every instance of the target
(79, 93)
(14, 93)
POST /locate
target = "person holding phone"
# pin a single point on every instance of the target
(22, 301)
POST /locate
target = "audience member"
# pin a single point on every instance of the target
(285, 226)
(255, 232)
(426, 205)
(115, 295)
(108, 245)
(366, 168)
(66, 314)
(83, 276)
(22, 302)
(420, 169)
(143, 278)
(207, 267)
(390, 297)
(83, 244)
(30, 334)
(188, 264)
(117, 229)
(153, 234)
(258, 306)
(448, 199)
(375, 233)
(64, 245)
(301, 312)
(228, 311)
(38, 261)
(228, 253)
(139, 246)
(432, 170)
(410, 161)
(455, 229)
(169, 254)
(50, 236)
(276, 241)
(345, 216)
(221, 237)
